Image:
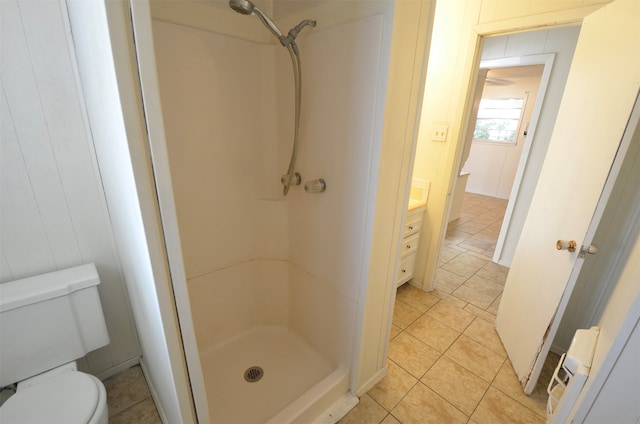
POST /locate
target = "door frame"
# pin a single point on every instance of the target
(539, 59)
(478, 33)
(546, 59)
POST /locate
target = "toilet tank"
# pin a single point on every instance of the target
(49, 320)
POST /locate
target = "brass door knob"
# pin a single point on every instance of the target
(566, 245)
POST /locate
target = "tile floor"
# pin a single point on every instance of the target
(445, 361)
(129, 399)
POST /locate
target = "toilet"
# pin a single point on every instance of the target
(47, 322)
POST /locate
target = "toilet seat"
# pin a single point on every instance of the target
(70, 398)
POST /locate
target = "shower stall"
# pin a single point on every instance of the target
(269, 288)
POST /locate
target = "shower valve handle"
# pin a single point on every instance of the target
(315, 186)
(295, 180)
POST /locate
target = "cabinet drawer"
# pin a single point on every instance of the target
(412, 225)
(409, 245)
(405, 270)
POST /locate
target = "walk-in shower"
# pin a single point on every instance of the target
(245, 7)
(273, 285)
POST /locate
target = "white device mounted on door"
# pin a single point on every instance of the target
(570, 375)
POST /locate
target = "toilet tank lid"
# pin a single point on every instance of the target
(43, 287)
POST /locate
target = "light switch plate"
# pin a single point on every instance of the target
(439, 133)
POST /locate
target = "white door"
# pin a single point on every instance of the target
(598, 99)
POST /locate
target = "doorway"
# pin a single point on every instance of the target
(495, 240)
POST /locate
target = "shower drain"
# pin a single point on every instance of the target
(253, 374)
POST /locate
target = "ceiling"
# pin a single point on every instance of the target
(510, 75)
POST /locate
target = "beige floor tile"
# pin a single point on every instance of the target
(473, 296)
(491, 231)
(494, 272)
(449, 252)
(416, 297)
(449, 298)
(393, 387)
(447, 281)
(432, 332)
(403, 314)
(455, 384)
(479, 210)
(489, 238)
(488, 254)
(475, 244)
(412, 354)
(507, 382)
(455, 236)
(451, 315)
(484, 286)
(487, 218)
(423, 406)
(480, 313)
(465, 216)
(143, 412)
(496, 226)
(390, 419)
(478, 359)
(464, 265)
(126, 389)
(481, 256)
(493, 308)
(395, 330)
(366, 411)
(471, 227)
(498, 408)
(485, 333)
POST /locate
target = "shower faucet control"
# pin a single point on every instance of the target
(294, 179)
(315, 186)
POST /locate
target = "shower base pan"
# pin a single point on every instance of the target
(270, 375)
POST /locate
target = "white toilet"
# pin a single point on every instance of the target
(46, 323)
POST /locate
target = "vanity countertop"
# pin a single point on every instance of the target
(416, 204)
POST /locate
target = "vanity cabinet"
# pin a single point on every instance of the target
(409, 244)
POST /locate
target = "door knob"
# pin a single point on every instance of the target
(592, 249)
(566, 245)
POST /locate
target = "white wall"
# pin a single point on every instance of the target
(492, 166)
(342, 68)
(618, 400)
(53, 210)
(213, 119)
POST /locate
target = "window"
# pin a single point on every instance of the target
(498, 120)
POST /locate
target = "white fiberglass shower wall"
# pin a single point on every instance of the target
(271, 281)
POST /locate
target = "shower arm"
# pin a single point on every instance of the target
(289, 40)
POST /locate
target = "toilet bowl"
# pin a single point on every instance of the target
(69, 398)
(47, 322)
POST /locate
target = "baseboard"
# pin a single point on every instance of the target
(371, 382)
(110, 372)
(339, 409)
(154, 394)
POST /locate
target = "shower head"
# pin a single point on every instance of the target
(245, 7)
